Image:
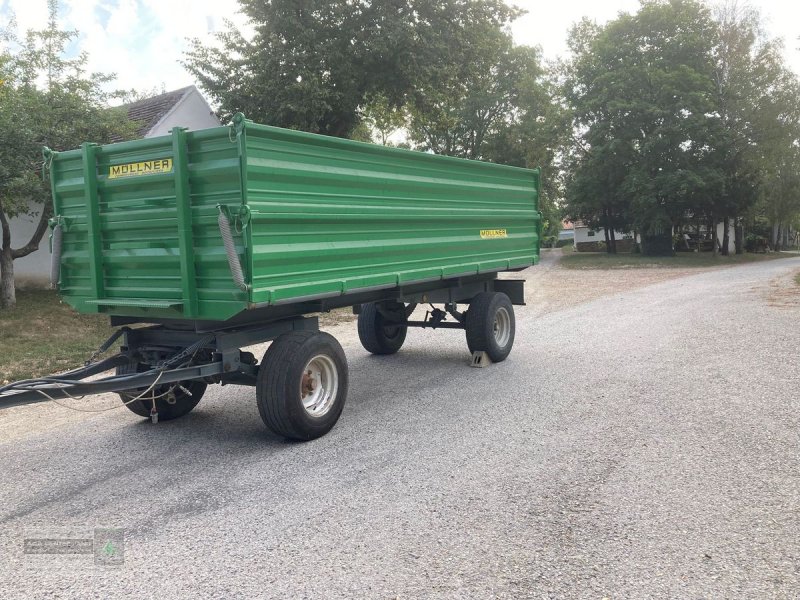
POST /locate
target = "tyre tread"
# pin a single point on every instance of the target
(370, 322)
(480, 322)
(166, 412)
(272, 383)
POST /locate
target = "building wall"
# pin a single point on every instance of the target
(191, 112)
(32, 270)
(587, 240)
(583, 234)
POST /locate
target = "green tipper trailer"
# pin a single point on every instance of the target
(228, 236)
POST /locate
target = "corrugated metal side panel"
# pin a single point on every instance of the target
(214, 179)
(139, 239)
(69, 202)
(330, 215)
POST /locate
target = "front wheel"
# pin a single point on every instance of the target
(490, 325)
(302, 385)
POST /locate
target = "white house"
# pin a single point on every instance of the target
(587, 239)
(185, 107)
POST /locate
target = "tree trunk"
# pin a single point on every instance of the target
(776, 237)
(699, 238)
(738, 237)
(611, 246)
(726, 236)
(8, 296)
(714, 239)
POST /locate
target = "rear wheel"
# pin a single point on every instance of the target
(302, 385)
(173, 400)
(377, 334)
(490, 325)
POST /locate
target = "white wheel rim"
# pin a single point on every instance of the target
(319, 385)
(502, 327)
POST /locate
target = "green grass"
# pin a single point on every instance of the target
(42, 336)
(797, 279)
(682, 260)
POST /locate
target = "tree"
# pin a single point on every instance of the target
(472, 85)
(311, 64)
(533, 134)
(679, 116)
(483, 97)
(45, 100)
(383, 118)
(780, 199)
(757, 100)
(641, 91)
(315, 65)
(459, 117)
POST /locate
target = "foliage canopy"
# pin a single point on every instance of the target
(46, 99)
(678, 113)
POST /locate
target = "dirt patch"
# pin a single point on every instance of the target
(336, 317)
(784, 292)
(552, 287)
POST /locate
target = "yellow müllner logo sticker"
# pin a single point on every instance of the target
(491, 234)
(148, 167)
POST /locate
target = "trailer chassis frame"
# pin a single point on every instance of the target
(221, 342)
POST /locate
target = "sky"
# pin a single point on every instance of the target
(142, 41)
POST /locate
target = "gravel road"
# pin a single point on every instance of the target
(641, 444)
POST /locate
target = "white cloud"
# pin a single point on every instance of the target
(547, 25)
(142, 41)
(29, 15)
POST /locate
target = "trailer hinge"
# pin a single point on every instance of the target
(238, 217)
(238, 123)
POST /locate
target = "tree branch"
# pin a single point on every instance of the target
(38, 234)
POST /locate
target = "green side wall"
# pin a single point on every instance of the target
(326, 216)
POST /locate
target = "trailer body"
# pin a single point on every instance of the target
(312, 218)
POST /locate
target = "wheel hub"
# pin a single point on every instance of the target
(502, 327)
(319, 385)
(307, 385)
